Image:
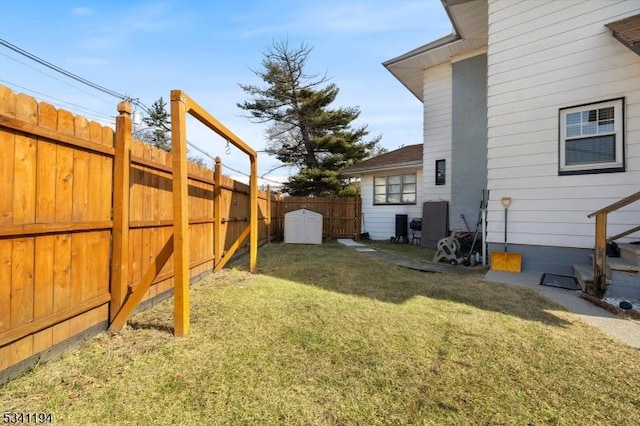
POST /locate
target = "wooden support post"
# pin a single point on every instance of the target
(121, 171)
(218, 240)
(180, 213)
(600, 253)
(253, 219)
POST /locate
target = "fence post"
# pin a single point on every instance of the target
(180, 213)
(268, 214)
(121, 177)
(330, 210)
(217, 213)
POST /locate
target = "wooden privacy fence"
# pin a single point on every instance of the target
(57, 219)
(342, 216)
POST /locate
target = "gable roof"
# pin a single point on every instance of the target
(470, 28)
(407, 156)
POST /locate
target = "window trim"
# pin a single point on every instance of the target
(386, 177)
(619, 165)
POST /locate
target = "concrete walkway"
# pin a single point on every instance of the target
(627, 331)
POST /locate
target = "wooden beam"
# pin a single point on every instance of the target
(52, 228)
(234, 247)
(147, 279)
(54, 136)
(121, 181)
(208, 120)
(180, 211)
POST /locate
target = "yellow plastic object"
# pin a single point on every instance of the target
(506, 262)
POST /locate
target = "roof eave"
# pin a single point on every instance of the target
(409, 67)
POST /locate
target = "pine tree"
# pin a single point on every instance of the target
(304, 131)
(160, 125)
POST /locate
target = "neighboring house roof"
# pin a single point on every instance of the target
(407, 156)
(470, 28)
(627, 31)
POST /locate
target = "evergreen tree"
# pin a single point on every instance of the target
(160, 125)
(304, 131)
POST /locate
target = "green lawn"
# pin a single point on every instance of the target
(328, 335)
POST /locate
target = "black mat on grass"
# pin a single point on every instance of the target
(559, 281)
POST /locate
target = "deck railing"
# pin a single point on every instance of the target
(600, 251)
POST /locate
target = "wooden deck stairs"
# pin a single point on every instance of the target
(611, 276)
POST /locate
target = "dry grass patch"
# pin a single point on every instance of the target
(327, 335)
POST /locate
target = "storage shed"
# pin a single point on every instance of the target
(303, 226)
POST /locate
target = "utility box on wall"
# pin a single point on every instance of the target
(303, 226)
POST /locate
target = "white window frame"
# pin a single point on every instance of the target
(388, 192)
(586, 130)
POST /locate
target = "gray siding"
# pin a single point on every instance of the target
(556, 260)
(469, 139)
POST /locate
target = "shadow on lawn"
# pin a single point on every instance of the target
(341, 269)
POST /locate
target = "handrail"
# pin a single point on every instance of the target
(601, 240)
(617, 205)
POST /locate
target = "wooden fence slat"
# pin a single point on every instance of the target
(46, 167)
(43, 289)
(5, 284)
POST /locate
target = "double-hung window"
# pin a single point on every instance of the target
(592, 138)
(398, 189)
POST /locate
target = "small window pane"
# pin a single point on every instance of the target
(379, 199)
(381, 190)
(395, 180)
(590, 116)
(573, 131)
(409, 188)
(590, 129)
(395, 189)
(380, 181)
(606, 127)
(394, 198)
(573, 118)
(409, 178)
(409, 198)
(605, 113)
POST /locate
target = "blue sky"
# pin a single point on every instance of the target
(206, 48)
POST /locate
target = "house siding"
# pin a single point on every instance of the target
(437, 130)
(468, 139)
(543, 56)
(380, 221)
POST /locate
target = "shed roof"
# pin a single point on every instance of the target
(407, 156)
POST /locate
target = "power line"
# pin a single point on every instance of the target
(62, 71)
(73, 76)
(53, 77)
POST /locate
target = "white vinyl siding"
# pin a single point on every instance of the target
(544, 56)
(437, 130)
(379, 220)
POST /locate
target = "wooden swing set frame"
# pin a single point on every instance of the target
(124, 303)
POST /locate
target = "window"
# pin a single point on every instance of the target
(592, 138)
(399, 189)
(441, 172)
